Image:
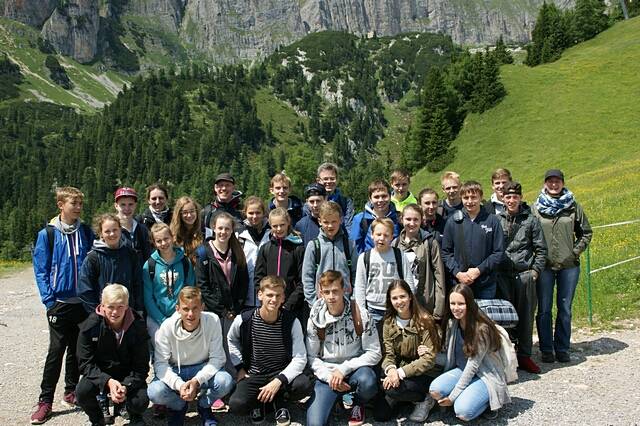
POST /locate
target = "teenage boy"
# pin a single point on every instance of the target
(135, 234)
(60, 249)
(266, 346)
(526, 252)
(188, 360)
(280, 187)
(342, 348)
(401, 196)
(377, 268)
(113, 354)
(451, 187)
(499, 179)
(378, 207)
(332, 250)
(309, 226)
(432, 221)
(473, 244)
(227, 199)
(328, 177)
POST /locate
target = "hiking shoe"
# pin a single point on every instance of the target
(347, 400)
(103, 402)
(421, 410)
(490, 415)
(526, 363)
(69, 399)
(42, 413)
(257, 415)
(357, 415)
(283, 418)
(548, 357)
(563, 357)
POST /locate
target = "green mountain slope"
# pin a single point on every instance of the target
(92, 87)
(580, 114)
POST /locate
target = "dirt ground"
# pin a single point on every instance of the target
(601, 386)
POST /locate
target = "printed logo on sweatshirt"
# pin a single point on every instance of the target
(381, 275)
(486, 228)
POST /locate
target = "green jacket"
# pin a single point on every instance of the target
(567, 235)
(411, 199)
(525, 246)
(401, 348)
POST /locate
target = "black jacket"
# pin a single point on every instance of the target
(288, 254)
(100, 358)
(147, 219)
(295, 208)
(139, 241)
(233, 207)
(104, 266)
(218, 296)
(525, 246)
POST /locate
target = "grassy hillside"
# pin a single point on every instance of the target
(92, 88)
(580, 114)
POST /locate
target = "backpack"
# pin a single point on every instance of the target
(151, 264)
(347, 252)
(357, 322)
(51, 236)
(398, 255)
(507, 355)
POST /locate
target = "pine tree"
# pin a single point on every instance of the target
(503, 56)
(590, 18)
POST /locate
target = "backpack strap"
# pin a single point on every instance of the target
(367, 263)
(399, 266)
(355, 316)
(317, 253)
(151, 265)
(185, 267)
(51, 237)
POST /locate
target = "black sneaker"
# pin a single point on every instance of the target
(257, 415)
(548, 357)
(283, 418)
(563, 357)
(103, 401)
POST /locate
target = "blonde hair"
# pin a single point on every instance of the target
(253, 200)
(65, 193)
(159, 227)
(329, 208)
(498, 173)
(280, 178)
(113, 293)
(280, 212)
(384, 221)
(189, 293)
(450, 175)
(185, 236)
(329, 277)
(271, 282)
(100, 219)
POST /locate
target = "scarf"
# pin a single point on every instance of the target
(552, 206)
(159, 216)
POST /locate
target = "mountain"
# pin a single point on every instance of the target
(243, 30)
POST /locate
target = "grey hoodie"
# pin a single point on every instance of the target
(342, 348)
(177, 347)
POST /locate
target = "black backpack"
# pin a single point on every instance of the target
(51, 236)
(151, 264)
(398, 255)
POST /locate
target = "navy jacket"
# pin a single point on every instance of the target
(308, 227)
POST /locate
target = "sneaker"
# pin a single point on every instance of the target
(42, 413)
(526, 363)
(563, 357)
(421, 410)
(69, 399)
(218, 405)
(347, 400)
(257, 415)
(490, 415)
(357, 415)
(207, 416)
(548, 357)
(103, 402)
(283, 418)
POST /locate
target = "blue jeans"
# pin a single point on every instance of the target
(473, 400)
(363, 381)
(566, 281)
(217, 387)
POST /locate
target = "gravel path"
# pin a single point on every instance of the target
(600, 387)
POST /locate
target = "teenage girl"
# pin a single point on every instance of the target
(185, 227)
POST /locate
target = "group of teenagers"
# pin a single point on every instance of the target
(246, 306)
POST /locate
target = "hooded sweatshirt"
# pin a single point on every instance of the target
(177, 347)
(360, 230)
(332, 257)
(57, 271)
(105, 265)
(342, 348)
(251, 247)
(161, 294)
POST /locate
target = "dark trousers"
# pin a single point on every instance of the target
(244, 398)
(520, 290)
(411, 389)
(86, 392)
(63, 336)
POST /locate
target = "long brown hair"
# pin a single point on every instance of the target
(234, 244)
(478, 326)
(185, 236)
(422, 319)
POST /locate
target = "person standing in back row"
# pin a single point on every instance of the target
(328, 177)
(451, 188)
(158, 210)
(227, 199)
(568, 233)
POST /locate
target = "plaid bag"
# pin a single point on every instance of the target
(500, 311)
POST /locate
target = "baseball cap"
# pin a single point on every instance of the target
(314, 189)
(125, 191)
(225, 177)
(554, 173)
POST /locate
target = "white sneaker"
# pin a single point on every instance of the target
(421, 410)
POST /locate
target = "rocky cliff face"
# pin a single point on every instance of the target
(229, 30)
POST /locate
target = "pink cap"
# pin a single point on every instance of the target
(125, 191)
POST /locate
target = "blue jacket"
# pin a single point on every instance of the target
(308, 227)
(483, 247)
(360, 231)
(346, 204)
(104, 266)
(57, 271)
(158, 303)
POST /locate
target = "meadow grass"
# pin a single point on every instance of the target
(8, 267)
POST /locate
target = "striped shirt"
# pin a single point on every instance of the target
(268, 353)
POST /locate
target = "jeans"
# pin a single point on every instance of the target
(473, 400)
(245, 397)
(566, 281)
(363, 381)
(217, 387)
